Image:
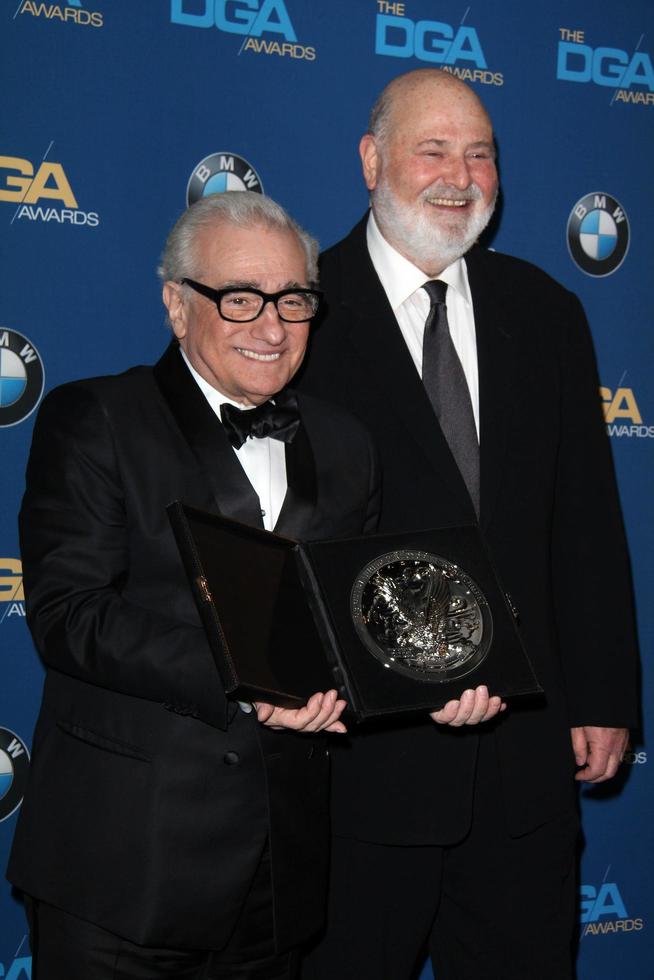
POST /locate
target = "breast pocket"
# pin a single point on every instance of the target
(105, 742)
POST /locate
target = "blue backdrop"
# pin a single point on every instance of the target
(113, 111)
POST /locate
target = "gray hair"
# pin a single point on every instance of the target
(245, 209)
(380, 114)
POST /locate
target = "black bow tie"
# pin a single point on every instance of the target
(280, 420)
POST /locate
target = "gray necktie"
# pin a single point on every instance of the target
(447, 388)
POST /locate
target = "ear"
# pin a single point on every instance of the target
(370, 160)
(177, 309)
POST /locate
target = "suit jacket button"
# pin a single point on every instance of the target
(231, 758)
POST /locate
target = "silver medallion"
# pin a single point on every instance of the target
(421, 615)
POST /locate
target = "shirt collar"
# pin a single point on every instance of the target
(213, 396)
(401, 278)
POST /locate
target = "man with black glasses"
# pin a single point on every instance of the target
(163, 821)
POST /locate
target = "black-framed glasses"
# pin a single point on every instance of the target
(242, 305)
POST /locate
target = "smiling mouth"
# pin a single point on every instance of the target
(254, 356)
(448, 202)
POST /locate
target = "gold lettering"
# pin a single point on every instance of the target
(61, 190)
(621, 406)
(23, 167)
(11, 586)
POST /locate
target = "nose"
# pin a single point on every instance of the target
(457, 172)
(268, 326)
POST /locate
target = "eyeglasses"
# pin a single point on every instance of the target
(243, 305)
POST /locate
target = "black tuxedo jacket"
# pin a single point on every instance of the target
(550, 514)
(151, 795)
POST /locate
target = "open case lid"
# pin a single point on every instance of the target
(253, 606)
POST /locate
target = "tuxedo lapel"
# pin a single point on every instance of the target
(375, 334)
(300, 501)
(496, 353)
(233, 493)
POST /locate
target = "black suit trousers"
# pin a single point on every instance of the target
(490, 907)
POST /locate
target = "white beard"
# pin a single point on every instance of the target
(424, 238)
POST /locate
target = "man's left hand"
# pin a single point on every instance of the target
(474, 707)
(321, 713)
(599, 751)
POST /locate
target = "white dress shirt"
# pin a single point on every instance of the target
(264, 460)
(402, 282)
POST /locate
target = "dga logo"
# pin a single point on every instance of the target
(610, 67)
(71, 12)
(14, 764)
(249, 17)
(598, 234)
(622, 414)
(604, 911)
(456, 50)
(12, 595)
(222, 171)
(633, 758)
(26, 185)
(19, 969)
(21, 377)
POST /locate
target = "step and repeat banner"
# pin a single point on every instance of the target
(117, 114)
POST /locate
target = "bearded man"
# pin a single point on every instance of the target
(475, 372)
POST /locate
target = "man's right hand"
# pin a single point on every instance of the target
(321, 713)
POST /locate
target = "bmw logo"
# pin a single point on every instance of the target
(21, 377)
(223, 171)
(598, 234)
(14, 765)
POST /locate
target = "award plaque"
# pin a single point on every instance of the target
(397, 623)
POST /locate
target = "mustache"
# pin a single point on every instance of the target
(449, 193)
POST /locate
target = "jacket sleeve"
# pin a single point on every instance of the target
(590, 565)
(75, 542)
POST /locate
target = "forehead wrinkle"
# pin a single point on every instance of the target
(446, 142)
(256, 284)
